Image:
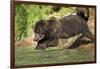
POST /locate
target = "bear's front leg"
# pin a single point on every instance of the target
(52, 42)
(41, 46)
(48, 43)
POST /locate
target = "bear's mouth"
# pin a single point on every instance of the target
(38, 37)
(41, 37)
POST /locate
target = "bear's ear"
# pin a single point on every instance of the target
(44, 22)
(53, 20)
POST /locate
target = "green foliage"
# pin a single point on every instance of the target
(21, 22)
(65, 10)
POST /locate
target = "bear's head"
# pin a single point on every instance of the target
(42, 27)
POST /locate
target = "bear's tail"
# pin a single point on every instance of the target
(83, 12)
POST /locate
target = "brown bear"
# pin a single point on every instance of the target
(48, 32)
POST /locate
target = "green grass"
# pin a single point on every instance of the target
(29, 56)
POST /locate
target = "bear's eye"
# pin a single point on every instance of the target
(37, 31)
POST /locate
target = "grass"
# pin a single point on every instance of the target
(29, 56)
